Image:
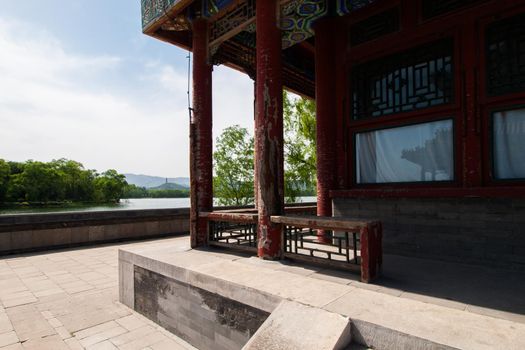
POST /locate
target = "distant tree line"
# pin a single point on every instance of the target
(133, 191)
(60, 180)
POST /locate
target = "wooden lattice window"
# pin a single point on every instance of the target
(415, 79)
(505, 52)
(433, 8)
(374, 27)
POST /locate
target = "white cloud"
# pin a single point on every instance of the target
(232, 100)
(33, 54)
(54, 103)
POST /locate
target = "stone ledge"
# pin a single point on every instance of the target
(379, 320)
(21, 222)
(37, 232)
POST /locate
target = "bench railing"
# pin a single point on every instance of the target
(233, 230)
(305, 241)
(349, 244)
(354, 245)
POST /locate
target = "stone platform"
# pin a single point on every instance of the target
(218, 300)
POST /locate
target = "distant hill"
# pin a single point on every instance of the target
(169, 186)
(156, 181)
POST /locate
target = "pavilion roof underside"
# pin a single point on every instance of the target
(232, 32)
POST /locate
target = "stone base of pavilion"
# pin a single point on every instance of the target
(218, 300)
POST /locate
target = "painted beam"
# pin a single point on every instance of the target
(156, 12)
(297, 18)
(230, 17)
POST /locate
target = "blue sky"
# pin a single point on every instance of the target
(79, 80)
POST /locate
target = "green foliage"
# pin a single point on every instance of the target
(57, 181)
(233, 165)
(168, 193)
(16, 167)
(39, 182)
(133, 191)
(233, 160)
(110, 186)
(299, 147)
(5, 171)
(78, 183)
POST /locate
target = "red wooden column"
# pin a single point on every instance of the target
(269, 129)
(201, 157)
(255, 170)
(326, 116)
(342, 88)
(471, 138)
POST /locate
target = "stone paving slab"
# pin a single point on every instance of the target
(68, 299)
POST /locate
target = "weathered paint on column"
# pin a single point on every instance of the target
(201, 157)
(471, 128)
(371, 241)
(255, 171)
(343, 145)
(269, 125)
(326, 116)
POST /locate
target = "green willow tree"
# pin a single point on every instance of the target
(233, 165)
(78, 182)
(233, 159)
(299, 147)
(109, 186)
(39, 182)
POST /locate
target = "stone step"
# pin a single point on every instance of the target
(297, 326)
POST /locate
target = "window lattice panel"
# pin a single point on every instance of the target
(415, 79)
(505, 50)
(375, 27)
(433, 8)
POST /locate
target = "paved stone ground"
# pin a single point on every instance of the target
(68, 299)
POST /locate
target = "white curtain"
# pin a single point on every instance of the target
(415, 153)
(509, 144)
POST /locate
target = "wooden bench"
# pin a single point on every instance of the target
(369, 231)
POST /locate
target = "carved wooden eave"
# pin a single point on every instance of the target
(157, 12)
(232, 32)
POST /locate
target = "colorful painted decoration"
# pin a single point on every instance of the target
(297, 16)
(153, 9)
(297, 24)
(344, 7)
(212, 7)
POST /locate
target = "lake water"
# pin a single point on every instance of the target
(125, 204)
